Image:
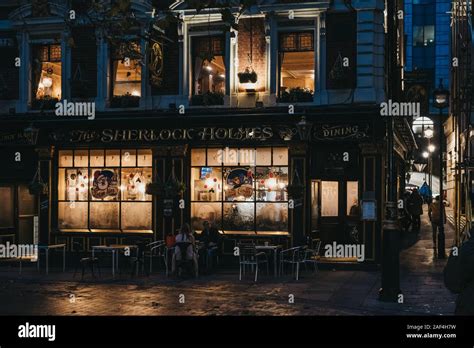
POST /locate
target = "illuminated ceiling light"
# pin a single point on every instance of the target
(431, 148)
(47, 82)
(425, 154)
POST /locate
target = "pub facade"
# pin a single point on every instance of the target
(269, 128)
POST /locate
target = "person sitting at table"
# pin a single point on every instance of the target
(185, 236)
(211, 238)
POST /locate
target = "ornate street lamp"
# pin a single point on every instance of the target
(31, 134)
(304, 129)
(441, 101)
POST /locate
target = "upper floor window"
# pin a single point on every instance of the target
(296, 66)
(46, 72)
(209, 69)
(126, 75)
(424, 25)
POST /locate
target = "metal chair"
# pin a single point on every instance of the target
(295, 257)
(248, 256)
(156, 249)
(312, 255)
(84, 262)
(138, 260)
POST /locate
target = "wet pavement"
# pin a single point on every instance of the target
(327, 292)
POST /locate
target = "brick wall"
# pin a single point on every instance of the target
(259, 49)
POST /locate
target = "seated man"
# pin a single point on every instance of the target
(211, 238)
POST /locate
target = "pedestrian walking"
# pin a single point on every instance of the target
(434, 211)
(415, 208)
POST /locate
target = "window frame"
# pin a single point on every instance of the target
(118, 168)
(255, 201)
(315, 45)
(113, 58)
(36, 45)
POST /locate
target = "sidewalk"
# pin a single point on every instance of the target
(325, 293)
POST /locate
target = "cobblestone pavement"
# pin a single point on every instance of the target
(328, 292)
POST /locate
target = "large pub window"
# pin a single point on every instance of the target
(46, 72)
(297, 68)
(104, 190)
(209, 70)
(240, 190)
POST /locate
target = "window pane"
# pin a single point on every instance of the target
(238, 184)
(65, 158)
(133, 184)
(62, 184)
(206, 184)
(201, 212)
(129, 158)
(214, 157)
(6, 208)
(271, 183)
(230, 156)
(72, 215)
(297, 75)
(209, 76)
(127, 73)
(272, 217)
(97, 158)
(26, 201)
(329, 198)
(353, 198)
(264, 156)
(239, 216)
(104, 215)
(81, 158)
(112, 158)
(76, 185)
(104, 184)
(136, 216)
(47, 72)
(198, 157)
(280, 156)
(248, 157)
(145, 158)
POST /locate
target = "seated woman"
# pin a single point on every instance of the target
(185, 236)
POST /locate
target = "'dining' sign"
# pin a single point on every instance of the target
(340, 132)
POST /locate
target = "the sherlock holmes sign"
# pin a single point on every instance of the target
(206, 134)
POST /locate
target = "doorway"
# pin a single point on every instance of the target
(335, 213)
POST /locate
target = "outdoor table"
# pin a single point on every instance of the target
(274, 249)
(47, 248)
(114, 249)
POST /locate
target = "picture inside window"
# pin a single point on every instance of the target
(46, 71)
(240, 189)
(104, 190)
(209, 70)
(297, 66)
(127, 71)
